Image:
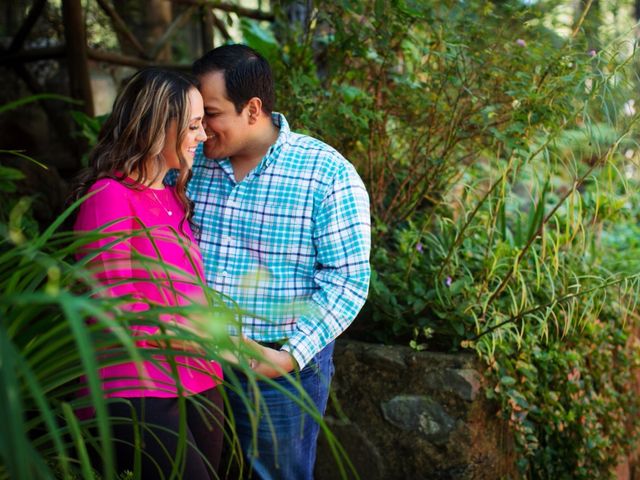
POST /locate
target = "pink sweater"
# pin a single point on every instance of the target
(122, 269)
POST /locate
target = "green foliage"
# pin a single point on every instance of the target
(89, 129)
(35, 98)
(260, 39)
(8, 177)
(571, 401)
(57, 331)
(14, 214)
(47, 345)
(500, 158)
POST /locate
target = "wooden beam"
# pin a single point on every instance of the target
(129, 61)
(77, 58)
(121, 26)
(179, 22)
(226, 7)
(27, 25)
(47, 53)
(33, 55)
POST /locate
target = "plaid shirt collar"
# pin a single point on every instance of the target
(272, 154)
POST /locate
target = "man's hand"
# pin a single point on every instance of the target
(269, 362)
(275, 363)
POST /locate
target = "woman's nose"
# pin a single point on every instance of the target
(202, 134)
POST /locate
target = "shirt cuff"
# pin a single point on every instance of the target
(303, 347)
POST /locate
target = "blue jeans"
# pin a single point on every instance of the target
(286, 435)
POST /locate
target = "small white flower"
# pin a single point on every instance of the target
(588, 85)
(629, 171)
(628, 109)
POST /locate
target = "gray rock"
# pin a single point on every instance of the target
(362, 453)
(419, 413)
(403, 414)
(384, 356)
(466, 383)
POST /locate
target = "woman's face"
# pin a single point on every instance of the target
(195, 133)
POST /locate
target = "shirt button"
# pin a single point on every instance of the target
(224, 273)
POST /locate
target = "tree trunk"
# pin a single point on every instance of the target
(77, 59)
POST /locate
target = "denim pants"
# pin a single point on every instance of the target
(286, 435)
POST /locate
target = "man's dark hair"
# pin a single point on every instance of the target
(246, 74)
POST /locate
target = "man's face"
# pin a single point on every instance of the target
(227, 130)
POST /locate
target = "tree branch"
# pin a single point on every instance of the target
(25, 28)
(226, 7)
(120, 25)
(179, 22)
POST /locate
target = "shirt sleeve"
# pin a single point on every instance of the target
(108, 215)
(171, 177)
(342, 238)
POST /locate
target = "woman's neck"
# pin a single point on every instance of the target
(154, 181)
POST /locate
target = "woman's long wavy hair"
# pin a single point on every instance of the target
(132, 138)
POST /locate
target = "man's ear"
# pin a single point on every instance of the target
(254, 109)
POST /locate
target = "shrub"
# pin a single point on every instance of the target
(492, 148)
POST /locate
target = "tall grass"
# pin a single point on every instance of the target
(57, 331)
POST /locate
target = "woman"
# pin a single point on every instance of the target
(151, 256)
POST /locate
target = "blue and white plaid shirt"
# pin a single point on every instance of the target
(289, 243)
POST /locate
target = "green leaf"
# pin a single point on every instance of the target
(35, 98)
(8, 177)
(260, 39)
(20, 154)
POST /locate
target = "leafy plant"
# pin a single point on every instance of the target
(496, 154)
(56, 332)
(89, 129)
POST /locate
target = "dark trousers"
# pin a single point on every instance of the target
(158, 427)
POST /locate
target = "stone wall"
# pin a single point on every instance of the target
(402, 414)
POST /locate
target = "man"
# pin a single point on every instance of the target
(285, 233)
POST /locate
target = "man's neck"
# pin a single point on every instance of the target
(249, 159)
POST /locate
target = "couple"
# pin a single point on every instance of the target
(283, 229)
